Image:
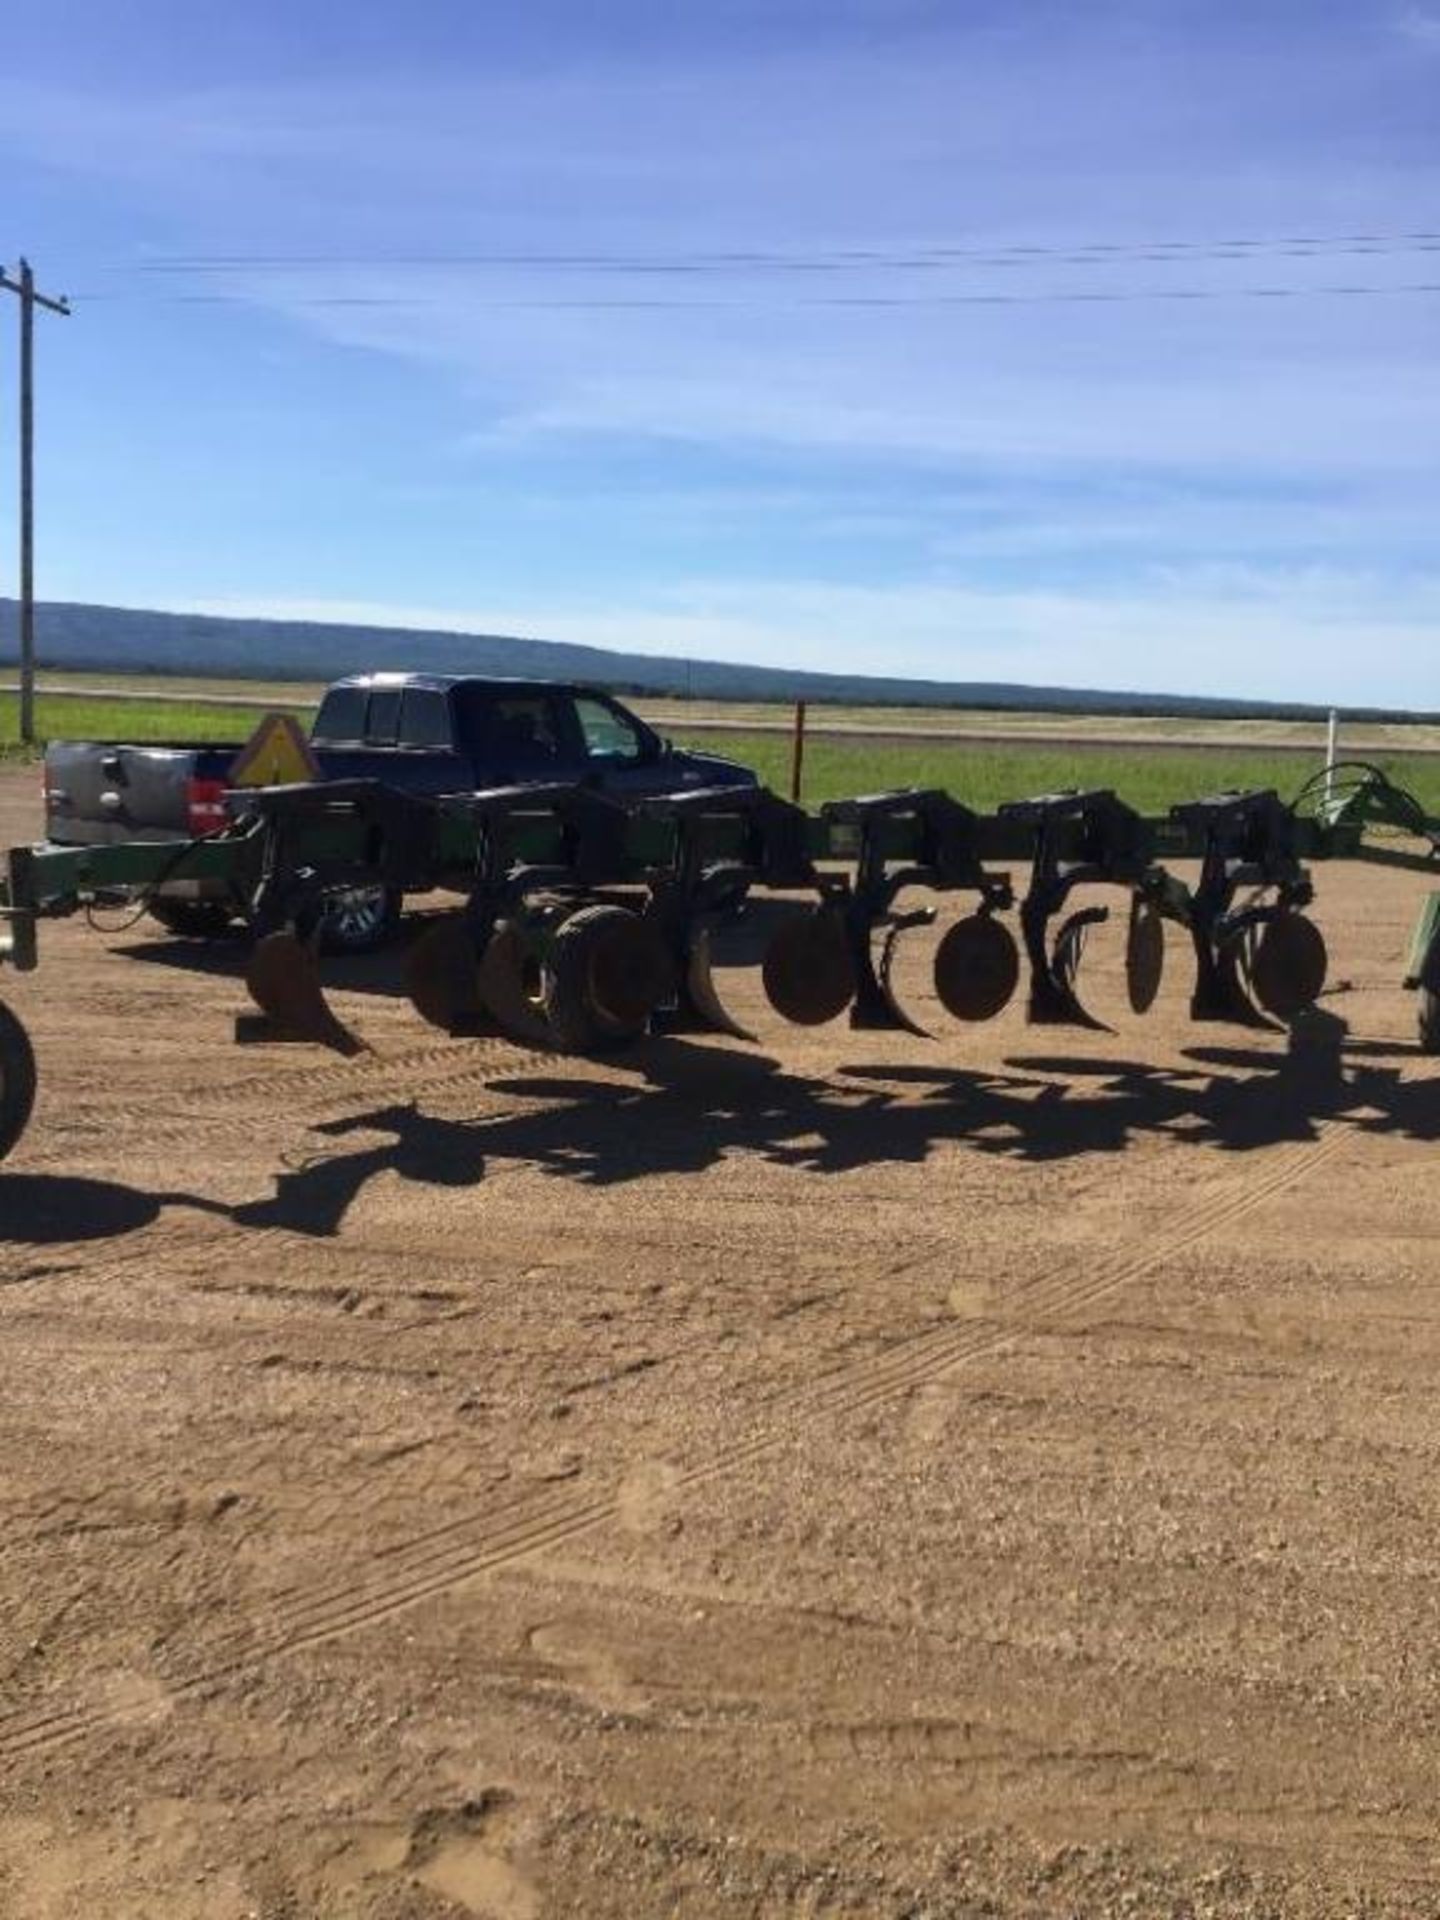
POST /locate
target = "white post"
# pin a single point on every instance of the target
(1332, 754)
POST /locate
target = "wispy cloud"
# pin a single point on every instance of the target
(992, 462)
(1420, 27)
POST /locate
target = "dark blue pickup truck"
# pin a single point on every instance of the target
(425, 732)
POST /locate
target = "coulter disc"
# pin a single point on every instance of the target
(1144, 955)
(808, 973)
(1287, 965)
(977, 968)
(283, 979)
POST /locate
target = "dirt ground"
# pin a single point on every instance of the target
(844, 1476)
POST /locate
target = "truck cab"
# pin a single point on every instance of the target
(447, 733)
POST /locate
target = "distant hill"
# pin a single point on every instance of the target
(130, 640)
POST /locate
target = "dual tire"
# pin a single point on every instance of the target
(604, 976)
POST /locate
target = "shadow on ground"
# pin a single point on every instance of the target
(43, 1209)
(686, 1107)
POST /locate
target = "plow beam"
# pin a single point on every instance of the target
(916, 837)
(1080, 839)
(314, 840)
(1263, 959)
(524, 840)
(719, 844)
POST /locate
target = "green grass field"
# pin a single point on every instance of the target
(138, 720)
(1150, 778)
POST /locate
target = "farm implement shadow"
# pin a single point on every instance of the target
(684, 1108)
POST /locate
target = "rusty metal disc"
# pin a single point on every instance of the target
(977, 968)
(510, 984)
(630, 972)
(1287, 965)
(283, 979)
(1144, 954)
(808, 974)
(441, 977)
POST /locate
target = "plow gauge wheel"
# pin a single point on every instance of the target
(283, 979)
(1144, 955)
(630, 971)
(605, 974)
(442, 977)
(977, 968)
(808, 973)
(1287, 965)
(17, 1079)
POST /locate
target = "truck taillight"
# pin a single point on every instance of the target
(205, 806)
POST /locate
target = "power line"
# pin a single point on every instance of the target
(920, 258)
(1098, 296)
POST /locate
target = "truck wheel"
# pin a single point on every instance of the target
(583, 1016)
(17, 1079)
(193, 919)
(1429, 1020)
(359, 919)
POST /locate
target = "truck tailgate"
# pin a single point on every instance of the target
(97, 794)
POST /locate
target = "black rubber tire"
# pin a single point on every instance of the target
(194, 919)
(17, 1079)
(577, 1024)
(1429, 1020)
(344, 935)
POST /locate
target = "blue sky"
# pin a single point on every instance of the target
(977, 341)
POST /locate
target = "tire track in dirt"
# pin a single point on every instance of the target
(435, 1561)
(305, 1093)
(298, 1099)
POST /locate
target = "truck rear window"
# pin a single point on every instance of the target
(424, 718)
(341, 715)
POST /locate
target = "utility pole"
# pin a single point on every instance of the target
(29, 300)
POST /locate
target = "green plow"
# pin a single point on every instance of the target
(582, 925)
